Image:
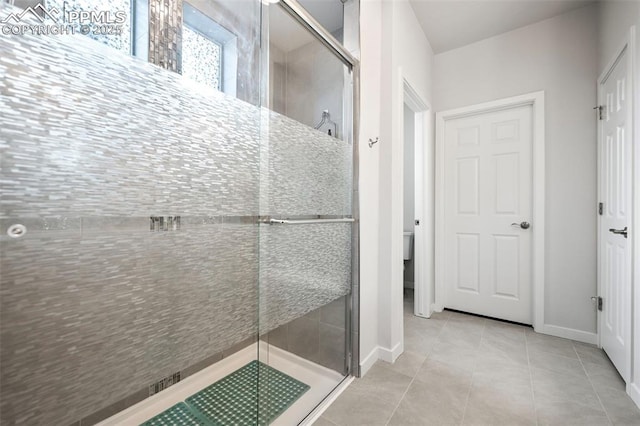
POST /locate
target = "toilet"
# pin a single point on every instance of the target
(407, 255)
(408, 245)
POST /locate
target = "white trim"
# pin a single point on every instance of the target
(634, 392)
(380, 353)
(535, 99)
(437, 308)
(393, 294)
(369, 361)
(570, 333)
(627, 46)
(423, 234)
(326, 403)
(390, 355)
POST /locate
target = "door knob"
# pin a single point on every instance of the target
(622, 232)
(523, 225)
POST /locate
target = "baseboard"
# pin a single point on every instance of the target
(437, 308)
(569, 333)
(390, 355)
(634, 392)
(369, 360)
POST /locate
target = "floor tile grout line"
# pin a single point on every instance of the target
(555, 353)
(401, 399)
(591, 383)
(473, 374)
(533, 393)
(414, 376)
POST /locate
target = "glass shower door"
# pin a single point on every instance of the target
(307, 229)
(129, 205)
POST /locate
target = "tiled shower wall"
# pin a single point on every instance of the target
(307, 81)
(94, 306)
(318, 336)
(165, 34)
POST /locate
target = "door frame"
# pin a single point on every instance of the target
(536, 100)
(627, 46)
(423, 194)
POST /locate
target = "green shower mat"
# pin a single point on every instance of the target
(179, 414)
(255, 394)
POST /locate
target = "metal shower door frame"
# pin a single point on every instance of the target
(351, 131)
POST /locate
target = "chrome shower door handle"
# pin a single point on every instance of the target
(622, 232)
(523, 225)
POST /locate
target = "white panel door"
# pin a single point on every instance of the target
(488, 195)
(615, 192)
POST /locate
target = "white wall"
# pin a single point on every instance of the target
(615, 17)
(370, 63)
(406, 55)
(615, 20)
(558, 56)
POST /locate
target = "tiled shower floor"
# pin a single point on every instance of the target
(322, 381)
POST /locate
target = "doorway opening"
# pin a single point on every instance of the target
(409, 216)
(417, 205)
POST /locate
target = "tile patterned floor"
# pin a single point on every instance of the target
(459, 369)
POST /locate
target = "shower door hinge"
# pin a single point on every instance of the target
(600, 208)
(600, 109)
(598, 301)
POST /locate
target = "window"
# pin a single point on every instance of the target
(201, 58)
(122, 41)
(209, 51)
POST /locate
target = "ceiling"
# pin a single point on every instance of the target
(288, 35)
(449, 24)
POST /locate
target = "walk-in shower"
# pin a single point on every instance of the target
(178, 243)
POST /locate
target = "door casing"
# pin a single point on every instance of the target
(536, 100)
(423, 252)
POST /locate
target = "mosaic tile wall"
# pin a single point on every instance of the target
(95, 316)
(140, 141)
(302, 267)
(165, 34)
(318, 169)
(93, 306)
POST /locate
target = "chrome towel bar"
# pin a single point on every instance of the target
(309, 221)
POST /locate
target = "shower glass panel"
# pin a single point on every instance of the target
(128, 208)
(175, 245)
(329, 13)
(306, 196)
